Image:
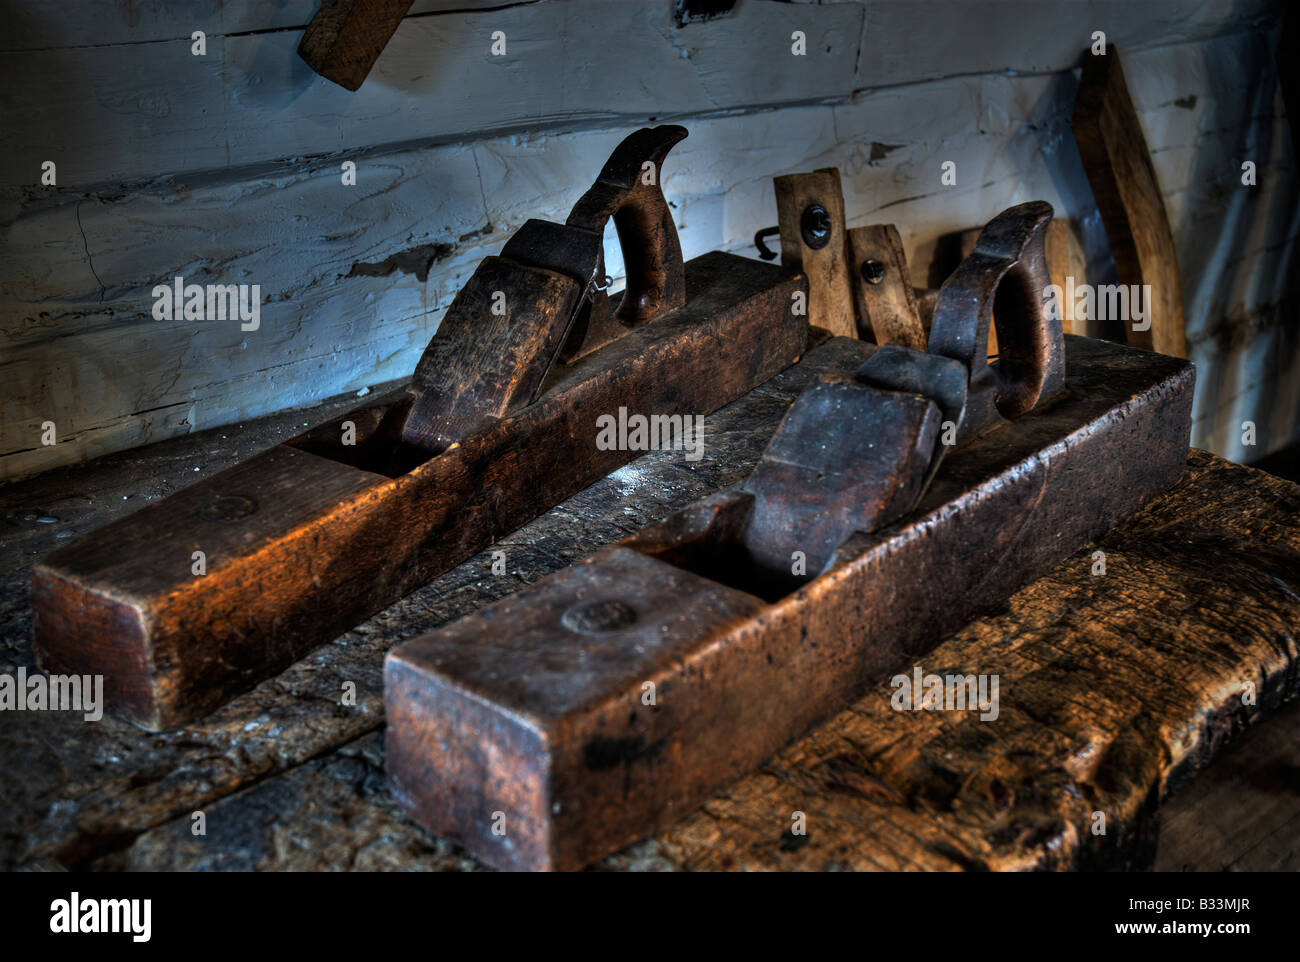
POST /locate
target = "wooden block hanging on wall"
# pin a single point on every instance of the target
(882, 286)
(830, 298)
(346, 37)
(1118, 165)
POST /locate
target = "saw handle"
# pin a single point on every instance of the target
(1005, 278)
(628, 190)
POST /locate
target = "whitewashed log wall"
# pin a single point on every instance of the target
(225, 168)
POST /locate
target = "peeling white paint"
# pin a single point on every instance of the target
(225, 200)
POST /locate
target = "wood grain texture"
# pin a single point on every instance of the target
(1242, 813)
(1088, 721)
(122, 602)
(830, 297)
(355, 279)
(485, 363)
(230, 108)
(121, 781)
(889, 306)
(332, 532)
(60, 28)
(135, 111)
(1189, 581)
(1098, 714)
(1021, 35)
(520, 710)
(1065, 262)
(1118, 163)
(346, 37)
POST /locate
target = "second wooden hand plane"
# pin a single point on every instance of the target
(499, 424)
(895, 502)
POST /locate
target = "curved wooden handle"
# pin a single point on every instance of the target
(628, 190)
(1005, 278)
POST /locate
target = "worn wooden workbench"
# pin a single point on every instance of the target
(1115, 690)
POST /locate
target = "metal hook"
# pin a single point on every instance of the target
(763, 250)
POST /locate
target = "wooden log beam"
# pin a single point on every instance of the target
(1118, 165)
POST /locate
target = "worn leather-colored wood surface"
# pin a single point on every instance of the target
(1114, 690)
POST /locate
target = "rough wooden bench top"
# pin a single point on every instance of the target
(1114, 690)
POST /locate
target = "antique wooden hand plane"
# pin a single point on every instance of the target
(895, 501)
(499, 424)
